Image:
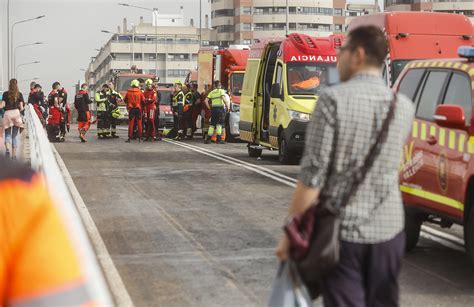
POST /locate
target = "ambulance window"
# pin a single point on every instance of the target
(279, 74)
(459, 93)
(411, 82)
(431, 93)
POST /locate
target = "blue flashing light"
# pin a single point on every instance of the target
(466, 52)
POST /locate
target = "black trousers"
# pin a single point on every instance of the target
(366, 276)
(178, 117)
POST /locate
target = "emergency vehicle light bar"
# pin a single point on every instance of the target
(466, 52)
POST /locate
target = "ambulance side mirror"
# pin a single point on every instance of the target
(276, 91)
(450, 116)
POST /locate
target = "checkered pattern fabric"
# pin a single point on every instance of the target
(345, 123)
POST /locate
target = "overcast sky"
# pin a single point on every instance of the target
(71, 32)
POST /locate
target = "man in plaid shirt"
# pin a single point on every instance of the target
(373, 240)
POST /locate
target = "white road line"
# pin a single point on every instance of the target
(230, 160)
(117, 287)
(446, 236)
(427, 232)
(264, 169)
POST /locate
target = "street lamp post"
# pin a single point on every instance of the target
(25, 64)
(20, 46)
(11, 36)
(155, 15)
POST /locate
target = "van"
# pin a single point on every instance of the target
(281, 86)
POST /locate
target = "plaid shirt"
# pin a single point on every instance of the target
(356, 110)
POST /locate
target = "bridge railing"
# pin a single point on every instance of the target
(43, 161)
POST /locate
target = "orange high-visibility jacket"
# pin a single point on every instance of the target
(38, 264)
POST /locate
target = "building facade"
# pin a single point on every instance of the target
(168, 49)
(465, 7)
(244, 21)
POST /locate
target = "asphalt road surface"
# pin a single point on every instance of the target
(188, 224)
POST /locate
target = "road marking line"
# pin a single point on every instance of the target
(428, 233)
(230, 161)
(446, 236)
(213, 153)
(116, 285)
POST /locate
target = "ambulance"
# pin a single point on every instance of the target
(417, 36)
(281, 86)
(437, 173)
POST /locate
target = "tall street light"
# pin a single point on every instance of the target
(132, 61)
(21, 46)
(155, 15)
(11, 37)
(25, 64)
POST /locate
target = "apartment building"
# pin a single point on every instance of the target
(244, 21)
(166, 47)
(464, 7)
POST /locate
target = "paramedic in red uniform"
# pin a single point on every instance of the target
(150, 110)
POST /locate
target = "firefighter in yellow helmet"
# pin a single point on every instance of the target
(178, 106)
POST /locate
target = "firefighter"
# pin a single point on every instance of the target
(150, 109)
(157, 112)
(33, 233)
(217, 103)
(178, 105)
(103, 123)
(81, 103)
(113, 111)
(188, 112)
(65, 110)
(135, 101)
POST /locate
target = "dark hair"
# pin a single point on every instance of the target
(105, 85)
(194, 85)
(56, 84)
(372, 40)
(83, 85)
(217, 83)
(37, 85)
(13, 91)
(32, 84)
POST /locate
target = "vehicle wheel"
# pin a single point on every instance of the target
(469, 235)
(412, 229)
(229, 137)
(254, 152)
(284, 154)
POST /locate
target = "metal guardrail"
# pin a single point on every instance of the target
(43, 160)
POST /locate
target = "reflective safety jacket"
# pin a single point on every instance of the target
(114, 97)
(188, 101)
(178, 99)
(39, 265)
(217, 98)
(101, 98)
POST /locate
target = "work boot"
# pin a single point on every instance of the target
(219, 140)
(127, 141)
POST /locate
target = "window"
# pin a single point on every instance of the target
(247, 26)
(247, 41)
(411, 82)
(397, 68)
(459, 93)
(338, 28)
(337, 12)
(279, 75)
(307, 78)
(247, 10)
(138, 56)
(430, 95)
(225, 29)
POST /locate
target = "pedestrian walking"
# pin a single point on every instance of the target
(135, 102)
(103, 118)
(13, 103)
(150, 111)
(216, 101)
(188, 112)
(345, 172)
(178, 105)
(81, 103)
(114, 98)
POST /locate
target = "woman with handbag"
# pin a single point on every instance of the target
(13, 103)
(345, 231)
